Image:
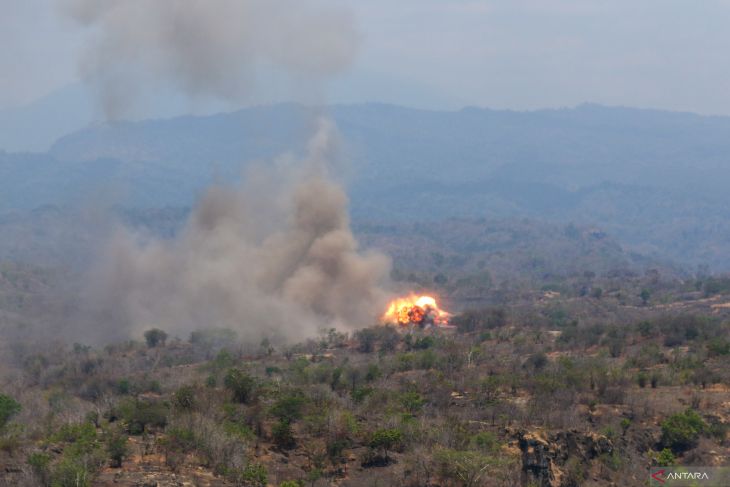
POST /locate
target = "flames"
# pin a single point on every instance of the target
(415, 310)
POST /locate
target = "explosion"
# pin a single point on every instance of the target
(422, 311)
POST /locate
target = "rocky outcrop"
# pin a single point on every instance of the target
(545, 454)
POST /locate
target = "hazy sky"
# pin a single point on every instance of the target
(520, 54)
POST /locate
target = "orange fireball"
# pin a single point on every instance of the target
(415, 310)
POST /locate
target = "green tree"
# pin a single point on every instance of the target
(681, 431)
(282, 435)
(155, 337)
(664, 458)
(184, 398)
(9, 407)
(116, 447)
(240, 384)
(289, 407)
(254, 475)
(385, 440)
(465, 467)
(39, 464)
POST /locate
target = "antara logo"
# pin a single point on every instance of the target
(658, 476)
(662, 476)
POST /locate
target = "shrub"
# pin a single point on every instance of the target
(537, 361)
(252, 475)
(138, 415)
(240, 384)
(681, 431)
(123, 387)
(155, 337)
(646, 329)
(625, 424)
(184, 398)
(488, 318)
(664, 458)
(289, 407)
(282, 435)
(718, 346)
(223, 360)
(384, 440)
(116, 447)
(335, 450)
(615, 347)
(179, 440)
(425, 360)
(238, 430)
(79, 433)
(271, 370)
(412, 402)
(424, 342)
(485, 441)
(366, 339)
(39, 463)
(464, 467)
(82, 455)
(360, 393)
(71, 472)
(373, 373)
(717, 285)
(9, 407)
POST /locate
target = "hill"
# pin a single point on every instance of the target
(654, 180)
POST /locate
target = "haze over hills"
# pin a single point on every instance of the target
(654, 180)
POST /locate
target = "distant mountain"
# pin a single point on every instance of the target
(568, 148)
(36, 126)
(655, 180)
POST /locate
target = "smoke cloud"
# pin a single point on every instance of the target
(274, 258)
(208, 48)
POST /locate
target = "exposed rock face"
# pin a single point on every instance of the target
(537, 458)
(544, 454)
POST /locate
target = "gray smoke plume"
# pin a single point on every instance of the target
(274, 258)
(208, 48)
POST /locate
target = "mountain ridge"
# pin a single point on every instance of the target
(656, 180)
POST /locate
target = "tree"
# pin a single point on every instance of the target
(254, 475)
(9, 407)
(240, 384)
(645, 295)
(664, 458)
(289, 407)
(116, 447)
(282, 435)
(155, 337)
(39, 463)
(681, 431)
(184, 398)
(465, 467)
(366, 339)
(384, 440)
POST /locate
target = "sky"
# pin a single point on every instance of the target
(445, 54)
